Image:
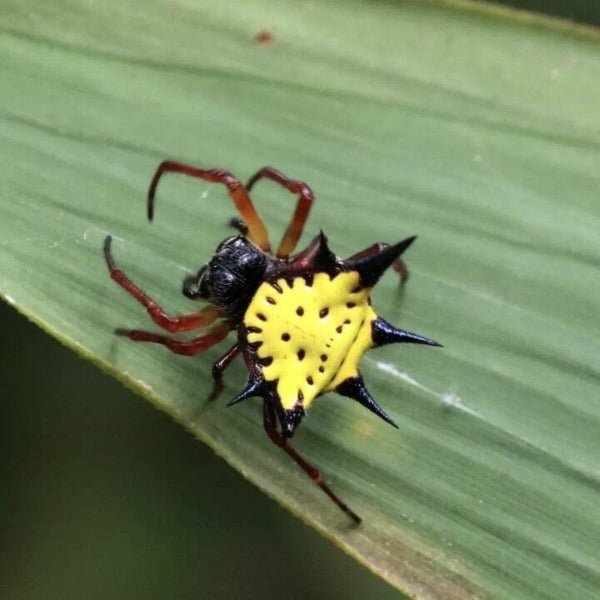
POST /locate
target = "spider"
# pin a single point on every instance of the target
(303, 321)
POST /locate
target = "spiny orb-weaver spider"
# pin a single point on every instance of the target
(303, 321)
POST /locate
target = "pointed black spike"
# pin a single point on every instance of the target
(322, 258)
(317, 257)
(383, 333)
(354, 387)
(290, 419)
(253, 388)
(371, 268)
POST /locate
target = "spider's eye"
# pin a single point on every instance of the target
(193, 287)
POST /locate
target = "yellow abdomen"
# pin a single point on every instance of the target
(312, 337)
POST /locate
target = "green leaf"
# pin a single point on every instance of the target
(475, 130)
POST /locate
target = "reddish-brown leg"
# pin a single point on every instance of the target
(173, 324)
(220, 366)
(270, 424)
(398, 265)
(256, 228)
(305, 200)
(185, 347)
(402, 269)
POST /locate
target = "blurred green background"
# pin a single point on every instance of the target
(105, 497)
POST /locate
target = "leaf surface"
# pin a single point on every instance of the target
(477, 132)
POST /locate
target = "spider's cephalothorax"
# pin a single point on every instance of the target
(231, 277)
(303, 322)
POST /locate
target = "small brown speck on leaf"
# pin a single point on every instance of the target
(264, 37)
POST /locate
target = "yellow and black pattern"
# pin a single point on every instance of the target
(310, 334)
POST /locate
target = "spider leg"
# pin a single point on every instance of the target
(171, 323)
(398, 265)
(185, 347)
(270, 425)
(239, 224)
(220, 366)
(256, 228)
(305, 200)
